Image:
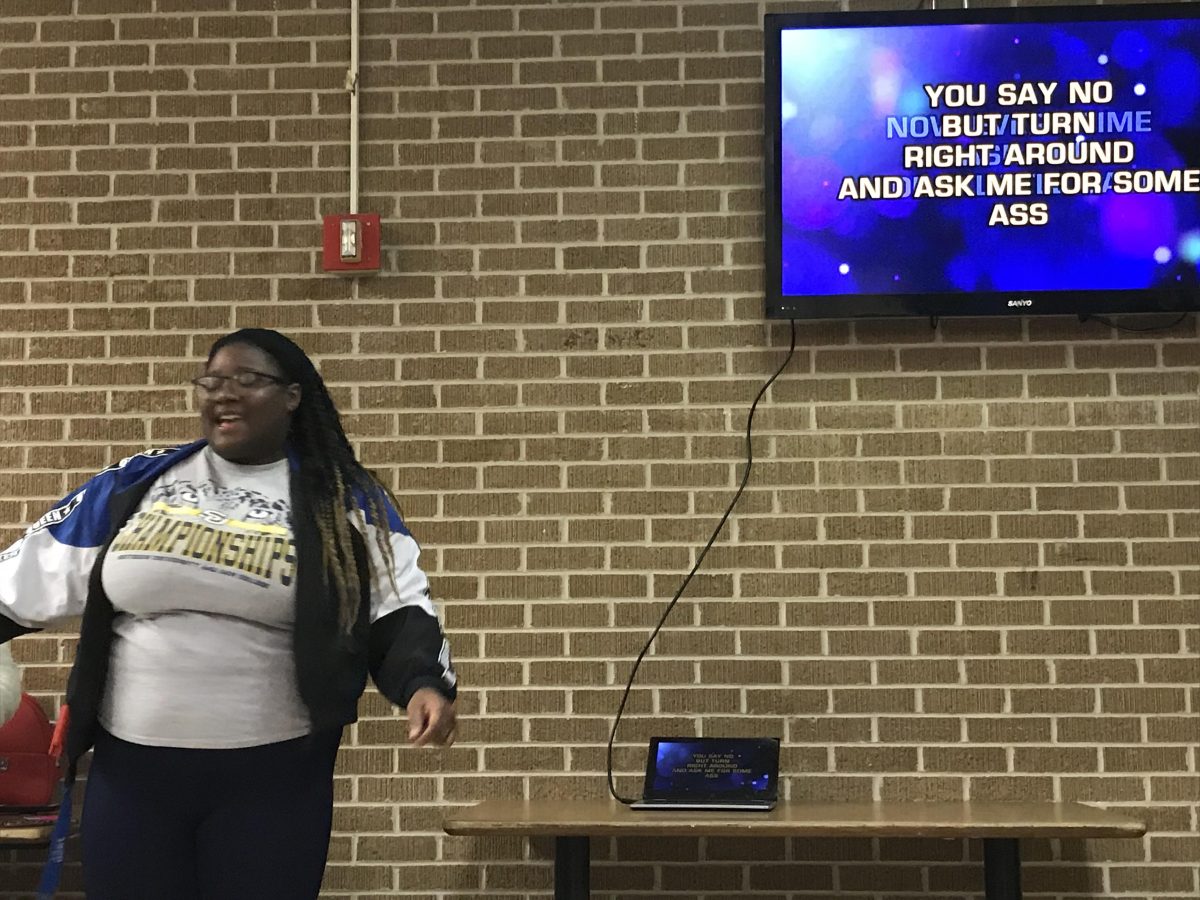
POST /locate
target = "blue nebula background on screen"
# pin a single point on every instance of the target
(852, 99)
(689, 767)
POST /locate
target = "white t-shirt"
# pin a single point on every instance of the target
(202, 578)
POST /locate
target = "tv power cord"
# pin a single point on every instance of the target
(612, 788)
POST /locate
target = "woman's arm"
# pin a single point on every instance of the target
(407, 649)
(44, 574)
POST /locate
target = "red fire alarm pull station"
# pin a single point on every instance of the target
(350, 243)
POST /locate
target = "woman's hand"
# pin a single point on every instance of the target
(431, 719)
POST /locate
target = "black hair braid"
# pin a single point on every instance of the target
(338, 486)
(335, 482)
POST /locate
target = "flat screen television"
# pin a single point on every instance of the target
(967, 162)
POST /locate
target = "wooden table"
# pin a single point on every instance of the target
(999, 825)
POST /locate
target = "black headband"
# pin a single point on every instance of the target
(291, 359)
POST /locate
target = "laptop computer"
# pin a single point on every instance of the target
(716, 773)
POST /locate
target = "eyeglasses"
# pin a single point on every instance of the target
(247, 380)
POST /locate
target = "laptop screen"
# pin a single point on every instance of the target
(712, 769)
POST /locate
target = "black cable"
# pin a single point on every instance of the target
(612, 788)
(1111, 324)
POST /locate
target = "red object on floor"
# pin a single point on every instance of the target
(28, 771)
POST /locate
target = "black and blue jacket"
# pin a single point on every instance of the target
(53, 572)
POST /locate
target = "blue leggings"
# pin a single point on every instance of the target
(162, 823)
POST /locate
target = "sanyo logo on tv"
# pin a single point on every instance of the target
(1020, 303)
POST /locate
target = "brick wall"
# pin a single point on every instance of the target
(965, 566)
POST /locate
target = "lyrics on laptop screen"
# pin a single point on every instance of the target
(708, 768)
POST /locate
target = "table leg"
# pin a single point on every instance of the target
(571, 868)
(1001, 869)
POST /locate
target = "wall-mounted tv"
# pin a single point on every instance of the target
(967, 162)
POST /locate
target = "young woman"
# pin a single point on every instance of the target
(235, 592)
